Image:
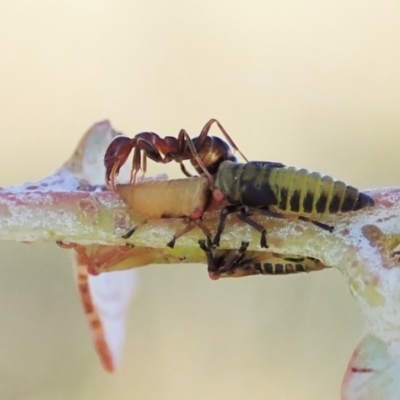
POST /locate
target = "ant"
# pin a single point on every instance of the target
(205, 152)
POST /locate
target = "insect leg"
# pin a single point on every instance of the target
(233, 259)
(184, 170)
(149, 150)
(204, 132)
(212, 264)
(144, 165)
(316, 223)
(204, 229)
(192, 148)
(222, 219)
(136, 163)
(219, 265)
(190, 224)
(291, 217)
(110, 177)
(243, 215)
(132, 231)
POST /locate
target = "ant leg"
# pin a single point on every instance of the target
(112, 175)
(243, 216)
(222, 219)
(189, 226)
(184, 170)
(136, 164)
(204, 132)
(192, 148)
(150, 151)
(144, 167)
(294, 217)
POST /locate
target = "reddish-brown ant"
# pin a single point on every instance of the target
(204, 152)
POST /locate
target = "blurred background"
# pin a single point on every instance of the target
(312, 84)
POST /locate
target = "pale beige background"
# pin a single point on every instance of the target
(308, 83)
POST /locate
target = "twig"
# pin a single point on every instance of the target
(71, 208)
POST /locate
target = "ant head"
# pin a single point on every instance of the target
(213, 152)
(117, 152)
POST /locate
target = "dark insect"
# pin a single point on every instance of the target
(242, 262)
(279, 191)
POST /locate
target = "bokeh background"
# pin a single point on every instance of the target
(310, 83)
